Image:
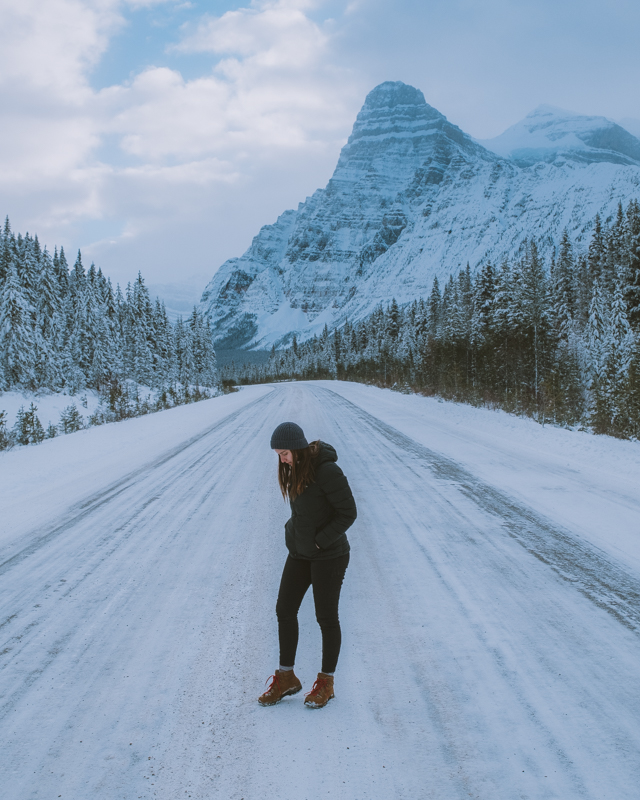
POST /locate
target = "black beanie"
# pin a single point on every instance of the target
(288, 436)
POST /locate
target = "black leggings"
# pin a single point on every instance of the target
(326, 578)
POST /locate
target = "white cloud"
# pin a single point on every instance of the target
(273, 31)
(49, 129)
(47, 51)
(50, 45)
(275, 87)
(173, 144)
(149, 3)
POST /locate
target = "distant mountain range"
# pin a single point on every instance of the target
(414, 197)
(549, 134)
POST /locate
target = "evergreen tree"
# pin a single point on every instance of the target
(392, 321)
(17, 345)
(617, 251)
(28, 268)
(434, 310)
(49, 325)
(203, 354)
(71, 420)
(596, 257)
(62, 271)
(141, 333)
(632, 277)
(28, 428)
(164, 344)
(184, 354)
(563, 289)
(5, 436)
(583, 291)
(7, 250)
(618, 362)
(484, 304)
(598, 348)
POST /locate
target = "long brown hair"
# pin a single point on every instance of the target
(294, 478)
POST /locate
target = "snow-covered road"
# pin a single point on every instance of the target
(490, 651)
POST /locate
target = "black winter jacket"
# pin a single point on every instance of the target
(322, 513)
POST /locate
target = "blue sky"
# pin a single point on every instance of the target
(145, 35)
(160, 135)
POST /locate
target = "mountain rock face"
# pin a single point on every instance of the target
(414, 197)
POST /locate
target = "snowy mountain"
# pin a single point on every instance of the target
(551, 134)
(414, 197)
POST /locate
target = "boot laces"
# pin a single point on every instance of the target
(317, 687)
(275, 684)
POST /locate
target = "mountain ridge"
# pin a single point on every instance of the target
(412, 197)
(549, 132)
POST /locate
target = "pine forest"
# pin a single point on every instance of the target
(68, 330)
(558, 341)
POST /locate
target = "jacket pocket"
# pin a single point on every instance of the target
(289, 536)
(305, 540)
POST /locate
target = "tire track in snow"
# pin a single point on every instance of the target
(434, 695)
(119, 514)
(460, 550)
(454, 635)
(86, 508)
(588, 570)
(140, 542)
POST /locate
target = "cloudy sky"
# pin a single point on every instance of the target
(159, 135)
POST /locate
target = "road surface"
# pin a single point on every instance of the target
(487, 652)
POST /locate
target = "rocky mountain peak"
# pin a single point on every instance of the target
(395, 133)
(392, 94)
(414, 197)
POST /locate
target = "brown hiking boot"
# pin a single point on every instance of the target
(321, 692)
(283, 683)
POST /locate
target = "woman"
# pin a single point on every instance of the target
(322, 508)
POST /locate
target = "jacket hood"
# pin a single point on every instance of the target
(325, 453)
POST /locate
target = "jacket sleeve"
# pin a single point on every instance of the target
(336, 488)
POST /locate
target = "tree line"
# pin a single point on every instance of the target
(69, 329)
(559, 341)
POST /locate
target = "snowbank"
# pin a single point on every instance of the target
(49, 405)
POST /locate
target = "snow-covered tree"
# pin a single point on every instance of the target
(17, 339)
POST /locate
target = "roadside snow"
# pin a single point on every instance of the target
(590, 484)
(50, 406)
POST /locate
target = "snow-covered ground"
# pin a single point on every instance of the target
(50, 405)
(490, 613)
